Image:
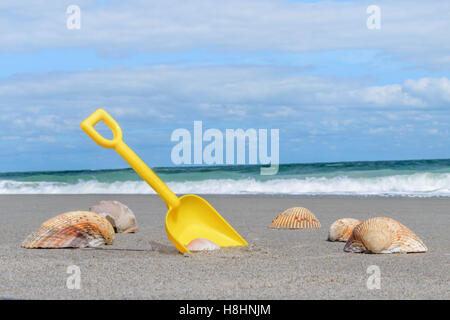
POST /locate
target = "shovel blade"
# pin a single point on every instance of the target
(195, 218)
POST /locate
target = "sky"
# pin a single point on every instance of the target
(335, 89)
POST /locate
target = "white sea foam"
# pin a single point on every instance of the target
(418, 184)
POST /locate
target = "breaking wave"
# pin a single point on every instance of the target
(410, 185)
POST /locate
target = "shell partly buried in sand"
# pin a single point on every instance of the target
(295, 218)
(76, 229)
(383, 235)
(202, 245)
(119, 215)
(341, 229)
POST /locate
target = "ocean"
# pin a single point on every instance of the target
(412, 178)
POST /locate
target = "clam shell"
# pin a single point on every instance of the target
(77, 229)
(341, 229)
(201, 245)
(119, 215)
(383, 235)
(295, 218)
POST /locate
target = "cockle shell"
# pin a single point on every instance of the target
(201, 245)
(119, 215)
(76, 229)
(341, 229)
(295, 218)
(383, 235)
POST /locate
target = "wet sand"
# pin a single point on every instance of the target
(278, 264)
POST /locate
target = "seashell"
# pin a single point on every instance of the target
(341, 229)
(295, 218)
(119, 215)
(77, 229)
(383, 235)
(201, 245)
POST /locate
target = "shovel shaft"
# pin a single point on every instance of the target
(148, 175)
(133, 160)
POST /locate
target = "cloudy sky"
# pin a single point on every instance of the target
(335, 89)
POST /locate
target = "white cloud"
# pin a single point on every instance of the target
(155, 99)
(399, 129)
(131, 91)
(417, 29)
(389, 95)
(436, 90)
(242, 91)
(45, 139)
(280, 112)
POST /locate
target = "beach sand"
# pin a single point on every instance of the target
(278, 264)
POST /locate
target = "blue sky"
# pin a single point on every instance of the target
(336, 90)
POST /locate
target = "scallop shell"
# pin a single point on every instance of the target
(77, 229)
(201, 245)
(119, 215)
(341, 229)
(295, 218)
(383, 235)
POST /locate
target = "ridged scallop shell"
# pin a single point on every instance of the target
(202, 245)
(119, 215)
(76, 229)
(383, 235)
(295, 218)
(341, 229)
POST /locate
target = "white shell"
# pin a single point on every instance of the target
(341, 229)
(202, 245)
(119, 215)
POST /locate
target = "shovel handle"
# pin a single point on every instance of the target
(88, 127)
(133, 160)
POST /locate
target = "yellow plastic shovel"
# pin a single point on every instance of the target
(189, 217)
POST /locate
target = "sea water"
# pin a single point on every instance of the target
(412, 178)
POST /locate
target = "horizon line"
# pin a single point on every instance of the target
(219, 165)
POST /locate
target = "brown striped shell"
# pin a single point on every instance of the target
(119, 215)
(77, 229)
(383, 235)
(341, 229)
(295, 218)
